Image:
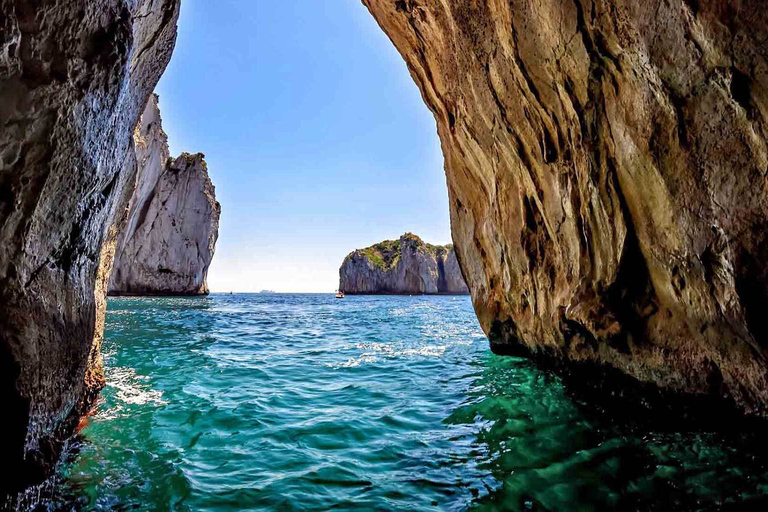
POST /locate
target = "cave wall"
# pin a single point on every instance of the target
(606, 163)
(74, 78)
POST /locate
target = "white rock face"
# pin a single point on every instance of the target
(454, 279)
(404, 266)
(168, 239)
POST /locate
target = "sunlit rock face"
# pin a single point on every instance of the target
(606, 164)
(167, 241)
(74, 78)
(404, 266)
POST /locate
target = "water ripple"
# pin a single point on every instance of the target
(303, 402)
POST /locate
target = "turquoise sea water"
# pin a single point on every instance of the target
(305, 402)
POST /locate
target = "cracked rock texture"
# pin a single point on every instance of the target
(606, 163)
(74, 78)
(404, 266)
(167, 241)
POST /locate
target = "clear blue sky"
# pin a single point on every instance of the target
(316, 137)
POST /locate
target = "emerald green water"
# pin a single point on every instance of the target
(304, 402)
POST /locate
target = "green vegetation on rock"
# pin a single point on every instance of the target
(385, 255)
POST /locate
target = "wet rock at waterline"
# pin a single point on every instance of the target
(75, 76)
(606, 164)
(404, 266)
(167, 240)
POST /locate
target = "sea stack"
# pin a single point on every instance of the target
(404, 266)
(167, 240)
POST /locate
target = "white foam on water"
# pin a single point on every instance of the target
(129, 388)
(375, 352)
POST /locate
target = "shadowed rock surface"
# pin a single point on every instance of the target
(404, 266)
(74, 78)
(167, 241)
(606, 164)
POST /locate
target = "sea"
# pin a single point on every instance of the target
(306, 402)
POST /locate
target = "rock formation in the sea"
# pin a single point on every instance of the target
(607, 165)
(75, 76)
(404, 266)
(167, 240)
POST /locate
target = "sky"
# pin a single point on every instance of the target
(316, 138)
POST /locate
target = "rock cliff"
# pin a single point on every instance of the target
(404, 266)
(166, 242)
(606, 163)
(74, 78)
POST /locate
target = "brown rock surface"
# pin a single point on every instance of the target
(167, 240)
(404, 266)
(74, 78)
(606, 164)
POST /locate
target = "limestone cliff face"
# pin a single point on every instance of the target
(606, 163)
(404, 266)
(168, 238)
(74, 78)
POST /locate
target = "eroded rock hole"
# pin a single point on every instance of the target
(741, 90)
(753, 295)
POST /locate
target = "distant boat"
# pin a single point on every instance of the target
(339, 294)
(268, 292)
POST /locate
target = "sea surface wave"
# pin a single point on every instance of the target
(305, 402)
